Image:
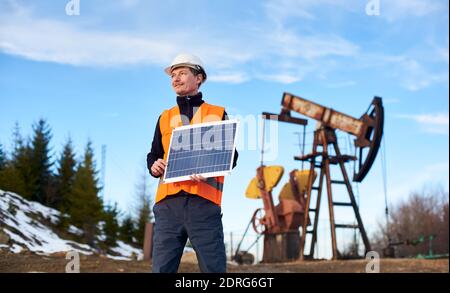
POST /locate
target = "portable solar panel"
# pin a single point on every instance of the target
(205, 149)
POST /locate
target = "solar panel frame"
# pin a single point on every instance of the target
(204, 174)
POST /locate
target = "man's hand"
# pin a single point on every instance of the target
(159, 167)
(197, 178)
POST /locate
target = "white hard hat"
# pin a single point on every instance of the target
(187, 60)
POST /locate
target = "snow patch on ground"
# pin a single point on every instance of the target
(25, 223)
(128, 251)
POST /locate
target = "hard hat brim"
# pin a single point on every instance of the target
(169, 69)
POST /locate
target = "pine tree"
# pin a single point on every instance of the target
(17, 139)
(64, 178)
(127, 230)
(41, 162)
(2, 158)
(85, 205)
(26, 177)
(111, 226)
(4, 170)
(17, 176)
(144, 217)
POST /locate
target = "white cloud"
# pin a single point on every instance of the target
(439, 119)
(412, 74)
(415, 69)
(230, 77)
(431, 123)
(55, 41)
(266, 52)
(341, 84)
(290, 44)
(226, 57)
(436, 173)
(289, 57)
(393, 10)
(280, 11)
(442, 54)
(129, 3)
(415, 77)
(281, 77)
(63, 42)
(391, 101)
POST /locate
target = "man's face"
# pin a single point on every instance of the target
(184, 82)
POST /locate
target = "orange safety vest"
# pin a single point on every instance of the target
(170, 119)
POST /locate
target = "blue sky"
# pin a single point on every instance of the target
(99, 75)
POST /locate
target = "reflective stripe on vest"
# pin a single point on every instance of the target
(212, 188)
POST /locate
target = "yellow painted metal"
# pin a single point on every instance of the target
(286, 192)
(302, 182)
(272, 176)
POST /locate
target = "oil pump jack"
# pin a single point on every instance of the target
(281, 224)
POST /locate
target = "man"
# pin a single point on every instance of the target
(188, 209)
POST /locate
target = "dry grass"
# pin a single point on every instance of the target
(28, 262)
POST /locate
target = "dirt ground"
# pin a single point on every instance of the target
(28, 262)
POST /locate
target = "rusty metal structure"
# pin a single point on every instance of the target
(148, 241)
(279, 224)
(285, 226)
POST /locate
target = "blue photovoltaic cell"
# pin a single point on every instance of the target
(201, 149)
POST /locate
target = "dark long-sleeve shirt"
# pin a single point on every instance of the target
(187, 104)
